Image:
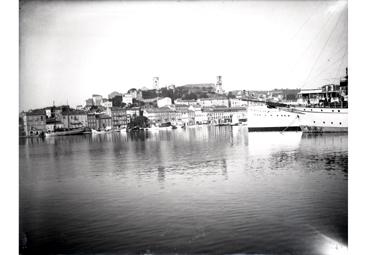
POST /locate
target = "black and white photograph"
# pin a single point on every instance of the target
(183, 127)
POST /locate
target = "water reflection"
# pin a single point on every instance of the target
(194, 190)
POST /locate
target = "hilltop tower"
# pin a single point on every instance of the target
(218, 86)
(156, 83)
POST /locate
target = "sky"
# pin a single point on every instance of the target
(70, 50)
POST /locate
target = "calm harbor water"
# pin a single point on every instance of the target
(200, 190)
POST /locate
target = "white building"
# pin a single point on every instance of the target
(165, 101)
(234, 102)
(107, 104)
(133, 92)
(208, 102)
(127, 99)
(97, 99)
(185, 102)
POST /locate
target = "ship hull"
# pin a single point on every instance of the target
(64, 133)
(267, 129)
(323, 120)
(263, 119)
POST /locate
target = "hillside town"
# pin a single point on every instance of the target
(186, 105)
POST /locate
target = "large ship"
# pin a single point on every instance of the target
(325, 109)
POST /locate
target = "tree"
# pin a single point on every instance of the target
(140, 121)
(230, 95)
(190, 96)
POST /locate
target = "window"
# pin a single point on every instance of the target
(339, 110)
(314, 121)
(323, 122)
(331, 122)
(332, 110)
(321, 110)
(340, 123)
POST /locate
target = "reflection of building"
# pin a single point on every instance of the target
(34, 122)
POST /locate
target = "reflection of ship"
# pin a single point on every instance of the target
(325, 109)
(267, 142)
(62, 132)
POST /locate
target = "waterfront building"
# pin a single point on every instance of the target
(99, 121)
(74, 119)
(34, 122)
(224, 115)
(103, 121)
(209, 102)
(165, 101)
(52, 124)
(163, 115)
(91, 121)
(79, 107)
(97, 99)
(118, 116)
(200, 116)
(133, 112)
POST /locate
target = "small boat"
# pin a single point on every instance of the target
(74, 131)
(166, 125)
(103, 131)
(153, 128)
